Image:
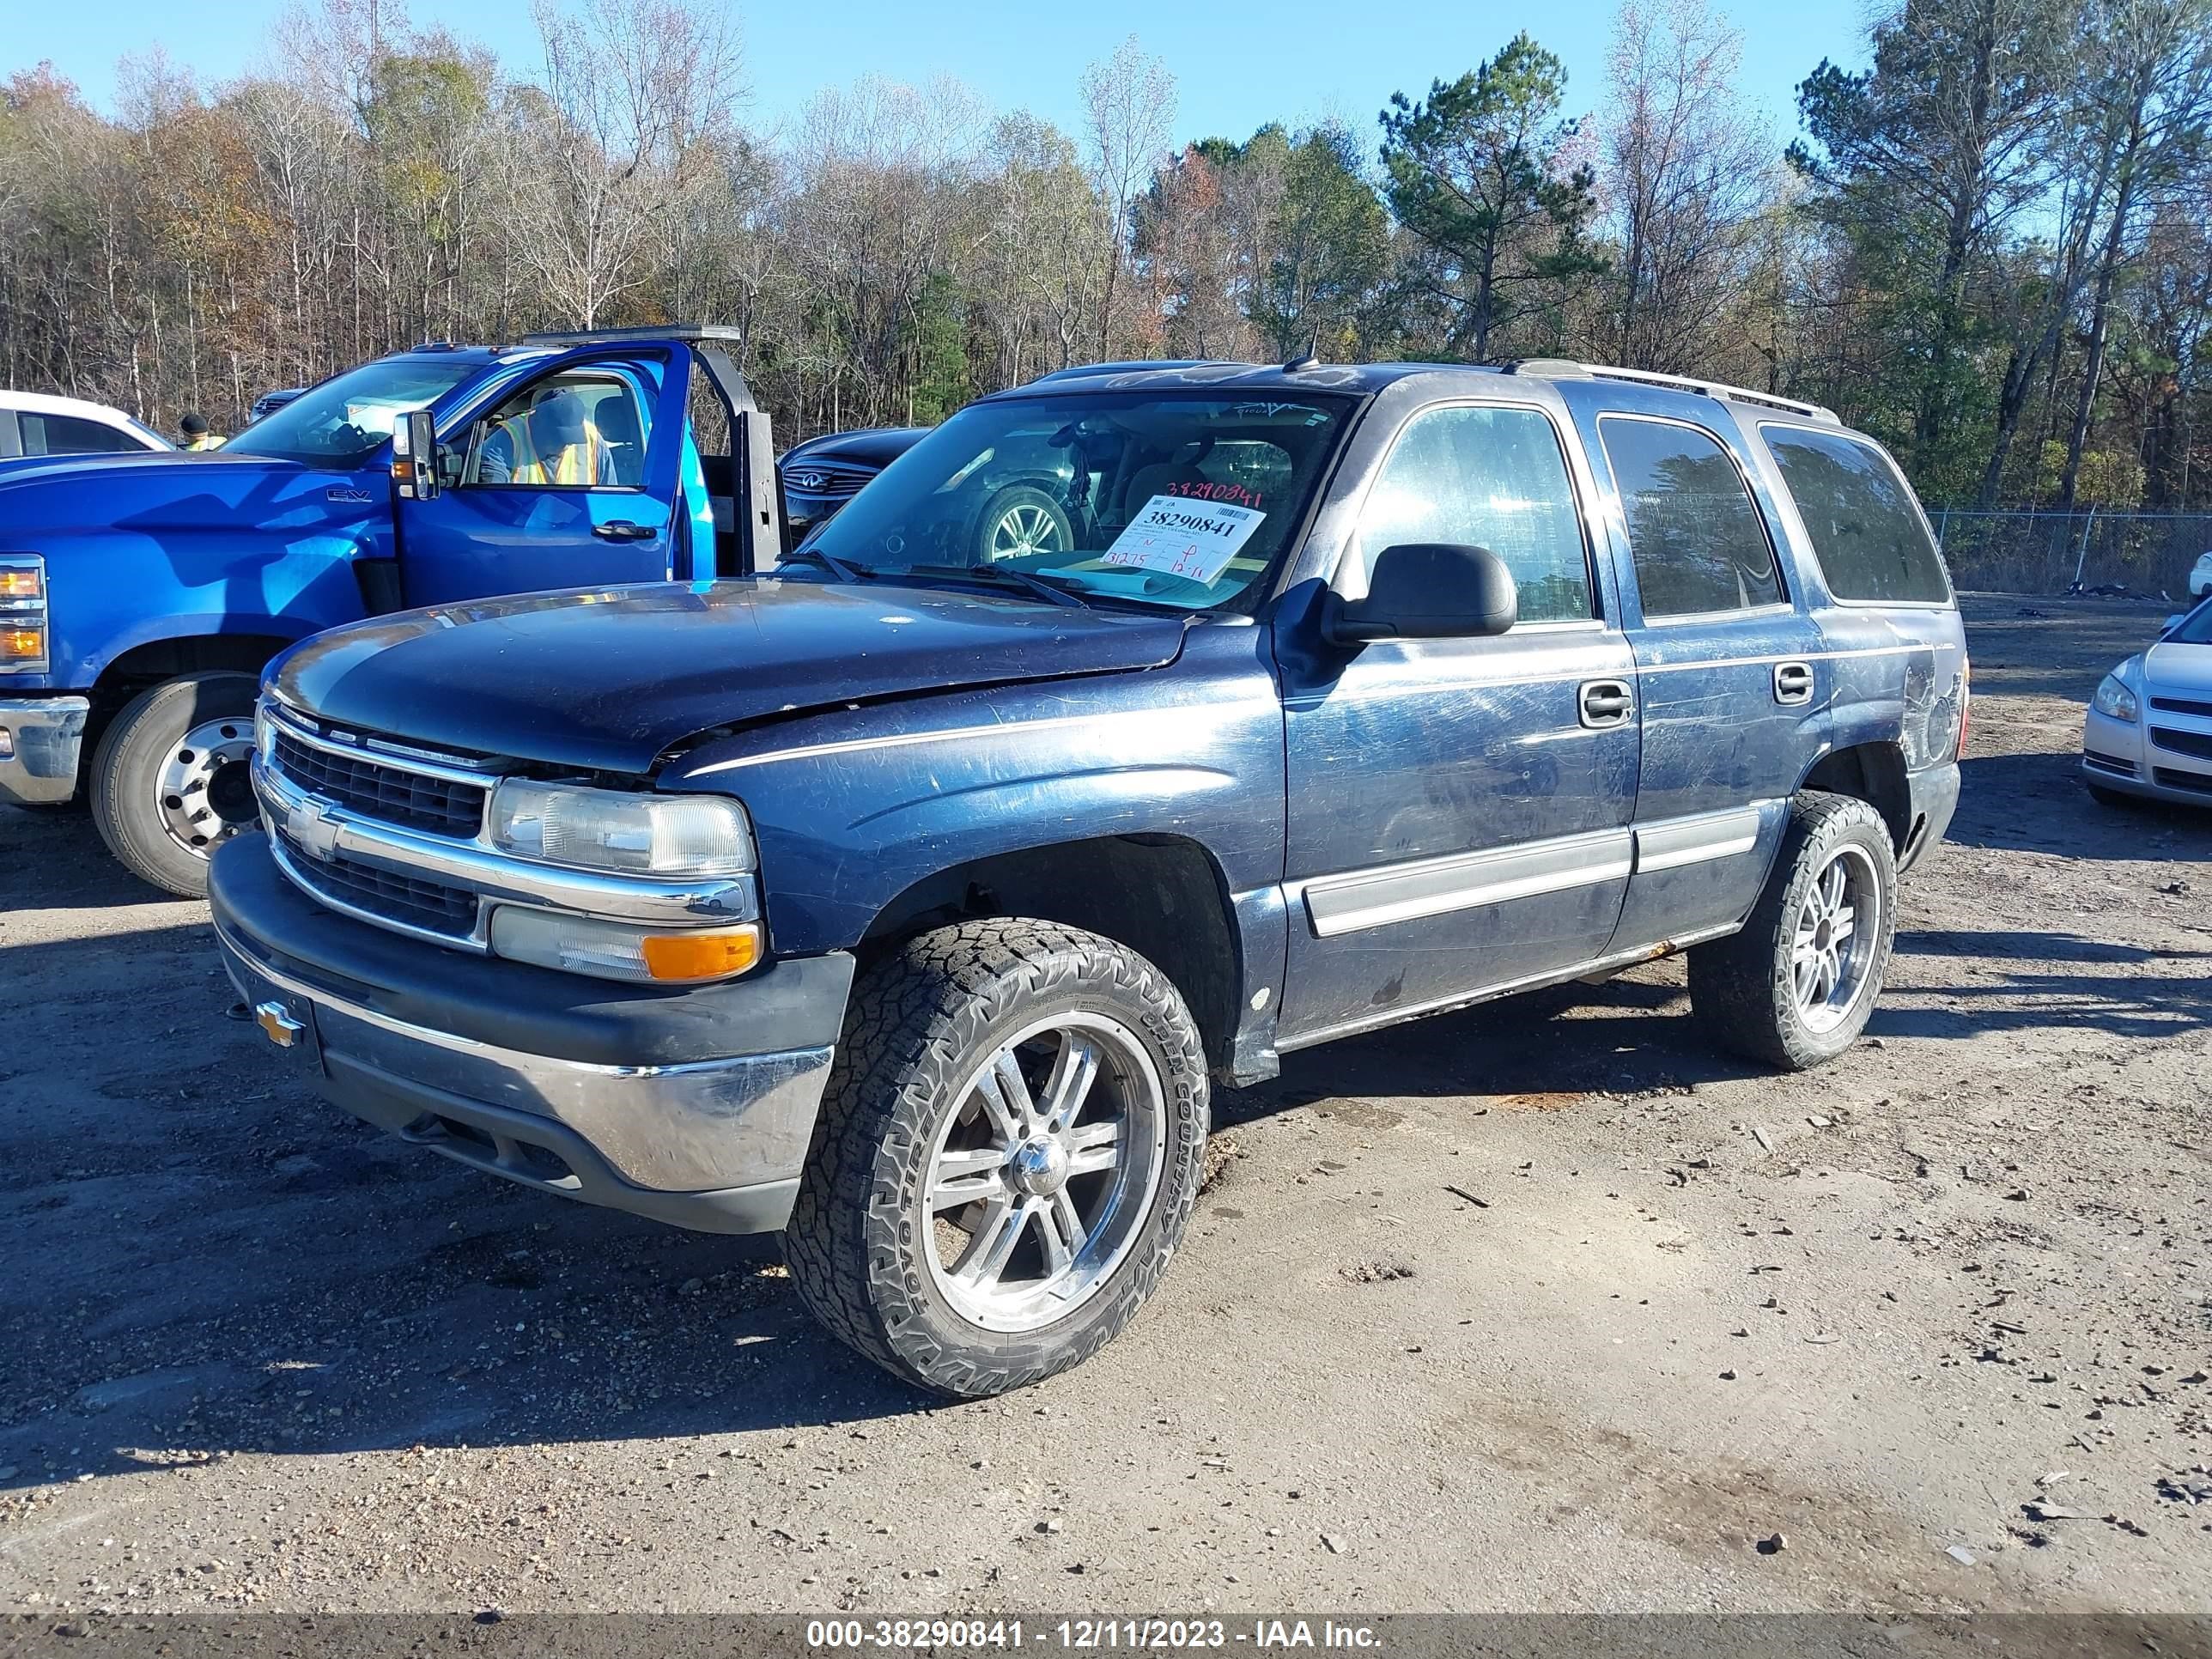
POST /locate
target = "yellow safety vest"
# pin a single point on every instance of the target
(206, 440)
(573, 463)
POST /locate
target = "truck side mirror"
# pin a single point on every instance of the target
(1426, 591)
(415, 456)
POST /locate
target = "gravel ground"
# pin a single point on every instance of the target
(1544, 1305)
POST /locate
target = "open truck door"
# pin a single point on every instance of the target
(629, 455)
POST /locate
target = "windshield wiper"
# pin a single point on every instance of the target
(999, 576)
(829, 562)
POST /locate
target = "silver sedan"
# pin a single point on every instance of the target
(2148, 730)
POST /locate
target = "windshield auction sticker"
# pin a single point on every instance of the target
(1184, 538)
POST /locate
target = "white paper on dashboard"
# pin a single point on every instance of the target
(1184, 538)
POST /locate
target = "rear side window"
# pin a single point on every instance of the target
(70, 434)
(1487, 477)
(1871, 542)
(1693, 533)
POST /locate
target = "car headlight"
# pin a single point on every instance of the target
(612, 830)
(23, 647)
(2113, 699)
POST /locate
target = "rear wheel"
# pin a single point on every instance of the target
(170, 781)
(1796, 986)
(1007, 1154)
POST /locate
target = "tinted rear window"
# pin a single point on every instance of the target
(70, 434)
(1693, 534)
(1865, 530)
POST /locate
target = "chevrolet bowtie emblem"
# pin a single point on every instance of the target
(279, 1027)
(310, 827)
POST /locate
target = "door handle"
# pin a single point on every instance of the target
(622, 530)
(1793, 682)
(1605, 702)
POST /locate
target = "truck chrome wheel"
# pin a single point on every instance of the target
(1797, 984)
(1043, 1172)
(1836, 940)
(204, 793)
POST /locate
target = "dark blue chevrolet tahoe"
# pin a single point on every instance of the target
(907, 899)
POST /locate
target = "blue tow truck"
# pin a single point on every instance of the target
(140, 596)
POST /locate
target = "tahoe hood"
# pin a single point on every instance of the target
(612, 680)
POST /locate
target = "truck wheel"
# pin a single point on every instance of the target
(1796, 986)
(1023, 520)
(1007, 1153)
(169, 780)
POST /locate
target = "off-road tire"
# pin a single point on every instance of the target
(920, 1021)
(1740, 986)
(129, 759)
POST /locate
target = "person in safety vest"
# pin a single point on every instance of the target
(192, 433)
(555, 443)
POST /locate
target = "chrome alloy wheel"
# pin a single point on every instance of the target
(1837, 939)
(204, 793)
(1044, 1171)
(1026, 527)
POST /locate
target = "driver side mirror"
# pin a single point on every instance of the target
(2173, 622)
(1426, 591)
(415, 456)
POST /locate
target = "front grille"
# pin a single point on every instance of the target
(408, 899)
(827, 477)
(380, 789)
(2196, 744)
(2202, 711)
(2166, 777)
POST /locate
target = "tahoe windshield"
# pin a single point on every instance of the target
(339, 422)
(1162, 499)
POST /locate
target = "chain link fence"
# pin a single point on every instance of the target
(2025, 552)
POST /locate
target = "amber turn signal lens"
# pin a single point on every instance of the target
(702, 956)
(22, 644)
(19, 585)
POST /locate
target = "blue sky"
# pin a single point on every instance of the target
(1237, 65)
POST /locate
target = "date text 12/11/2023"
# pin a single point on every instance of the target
(1088, 1635)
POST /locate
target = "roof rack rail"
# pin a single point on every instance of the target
(626, 336)
(1561, 368)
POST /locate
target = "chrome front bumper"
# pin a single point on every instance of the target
(40, 738)
(715, 1144)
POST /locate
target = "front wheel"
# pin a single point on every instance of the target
(1796, 986)
(1022, 521)
(170, 781)
(1008, 1151)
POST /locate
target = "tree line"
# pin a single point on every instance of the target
(1992, 247)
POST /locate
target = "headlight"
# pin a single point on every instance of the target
(636, 835)
(22, 614)
(614, 950)
(2113, 699)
